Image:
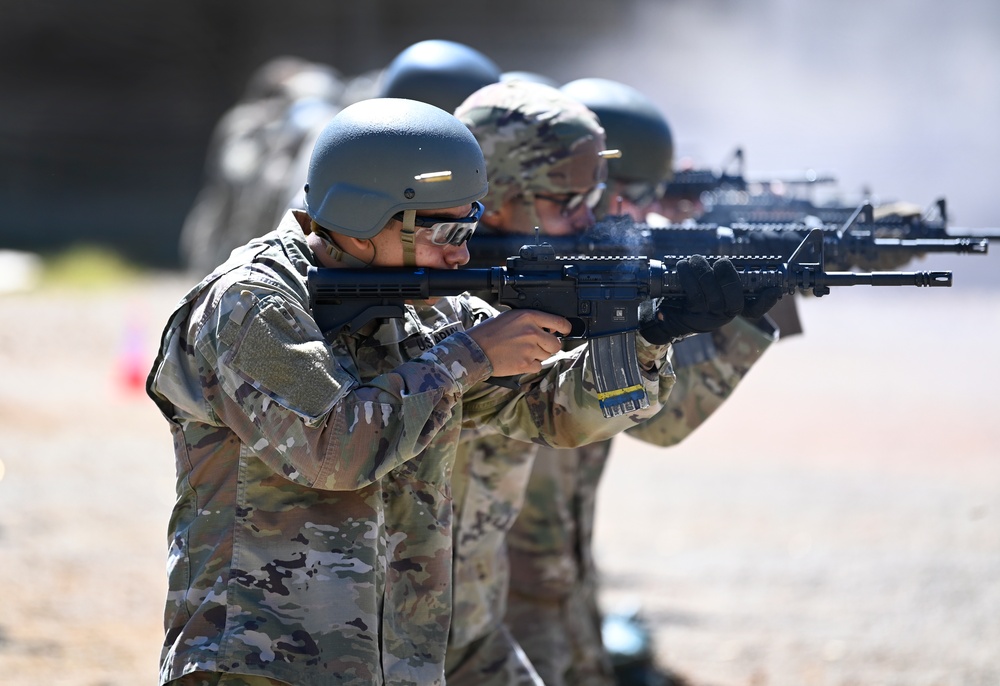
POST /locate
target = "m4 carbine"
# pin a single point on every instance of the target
(855, 242)
(932, 224)
(600, 296)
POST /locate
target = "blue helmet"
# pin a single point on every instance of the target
(439, 72)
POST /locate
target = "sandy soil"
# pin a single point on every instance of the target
(837, 523)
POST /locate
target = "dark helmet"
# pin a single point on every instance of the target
(439, 72)
(632, 124)
(382, 156)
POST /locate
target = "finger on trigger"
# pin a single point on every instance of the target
(552, 322)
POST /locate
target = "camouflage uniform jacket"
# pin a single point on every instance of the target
(552, 609)
(552, 537)
(311, 539)
(492, 477)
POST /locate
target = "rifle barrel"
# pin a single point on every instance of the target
(929, 279)
(958, 244)
(790, 280)
(987, 233)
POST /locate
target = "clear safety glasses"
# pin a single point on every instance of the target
(641, 193)
(447, 230)
(571, 202)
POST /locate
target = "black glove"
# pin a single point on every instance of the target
(757, 305)
(713, 296)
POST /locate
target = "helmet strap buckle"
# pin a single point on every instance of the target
(407, 236)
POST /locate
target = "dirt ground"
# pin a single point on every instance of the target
(837, 523)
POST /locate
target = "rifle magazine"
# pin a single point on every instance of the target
(616, 374)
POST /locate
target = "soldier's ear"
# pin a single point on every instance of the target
(354, 245)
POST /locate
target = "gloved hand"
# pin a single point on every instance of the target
(756, 306)
(713, 296)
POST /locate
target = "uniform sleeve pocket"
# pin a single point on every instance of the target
(278, 355)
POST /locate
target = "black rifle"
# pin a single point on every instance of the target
(770, 209)
(692, 183)
(600, 296)
(731, 198)
(856, 242)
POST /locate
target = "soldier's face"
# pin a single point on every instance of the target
(580, 180)
(557, 220)
(549, 213)
(389, 245)
(619, 204)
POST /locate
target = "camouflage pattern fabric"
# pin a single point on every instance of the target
(552, 605)
(311, 539)
(218, 679)
(493, 660)
(558, 621)
(488, 486)
(705, 382)
(258, 157)
(535, 140)
(489, 481)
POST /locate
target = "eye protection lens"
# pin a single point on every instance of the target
(572, 202)
(642, 193)
(447, 230)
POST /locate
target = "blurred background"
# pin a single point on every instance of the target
(836, 524)
(108, 105)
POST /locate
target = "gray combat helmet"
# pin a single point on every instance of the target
(439, 72)
(632, 124)
(385, 155)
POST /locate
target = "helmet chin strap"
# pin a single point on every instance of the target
(407, 237)
(334, 250)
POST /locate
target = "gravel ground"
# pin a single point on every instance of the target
(837, 523)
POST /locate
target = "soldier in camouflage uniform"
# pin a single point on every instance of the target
(252, 155)
(545, 155)
(519, 130)
(553, 603)
(259, 154)
(311, 539)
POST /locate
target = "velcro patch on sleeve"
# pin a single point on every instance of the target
(275, 354)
